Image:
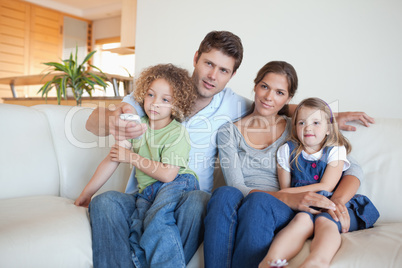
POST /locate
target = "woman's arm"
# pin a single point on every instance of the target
(229, 159)
(302, 201)
(329, 180)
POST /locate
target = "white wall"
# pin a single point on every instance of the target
(346, 52)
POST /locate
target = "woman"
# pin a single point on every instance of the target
(243, 217)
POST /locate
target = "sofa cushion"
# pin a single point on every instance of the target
(375, 247)
(28, 162)
(45, 231)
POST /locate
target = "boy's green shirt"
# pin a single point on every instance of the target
(169, 145)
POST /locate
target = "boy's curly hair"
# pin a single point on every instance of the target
(184, 92)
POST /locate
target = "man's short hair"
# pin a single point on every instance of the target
(224, 41)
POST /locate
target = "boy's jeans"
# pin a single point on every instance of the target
(111, 220)
(155, 237)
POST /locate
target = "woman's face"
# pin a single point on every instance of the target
(271, 94)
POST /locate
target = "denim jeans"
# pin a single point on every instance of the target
(112, 215)
(239, 231)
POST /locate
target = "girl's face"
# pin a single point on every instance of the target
(158, 103)
(312, 128)
(271, 94)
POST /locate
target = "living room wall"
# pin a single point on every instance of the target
(346, 52)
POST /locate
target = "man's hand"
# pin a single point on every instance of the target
(343, 118)
(124, 130)
(103, 122)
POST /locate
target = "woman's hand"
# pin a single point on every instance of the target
(120, 154)
(341, 214)
(305, 201)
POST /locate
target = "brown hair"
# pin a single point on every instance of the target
(334, 138)
(283, 68)
(184, 93)
(224, 41)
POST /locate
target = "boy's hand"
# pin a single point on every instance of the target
(120, 154)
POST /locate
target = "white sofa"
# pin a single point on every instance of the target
(47, 157)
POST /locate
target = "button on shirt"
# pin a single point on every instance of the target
(224, 107)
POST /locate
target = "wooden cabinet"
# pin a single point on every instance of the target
(14, 41)
(46, 38)
(29, 36)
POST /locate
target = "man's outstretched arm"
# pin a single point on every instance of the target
(103, 122)
(343, 118)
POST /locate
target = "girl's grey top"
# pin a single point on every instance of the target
(247, 168)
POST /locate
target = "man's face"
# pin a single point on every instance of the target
(212, 71)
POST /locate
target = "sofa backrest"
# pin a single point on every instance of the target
(378, 150)
(28, 161)
(63, 155)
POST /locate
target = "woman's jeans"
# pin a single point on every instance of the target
(140, 230)
(239, 231)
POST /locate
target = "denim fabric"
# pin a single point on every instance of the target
(111, 219)
(238, 232)
(354, 220)
(363, 214)
(155, 237)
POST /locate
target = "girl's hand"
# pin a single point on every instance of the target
(120, 154)
(341, 214)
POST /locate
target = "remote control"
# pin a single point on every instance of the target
(131, 117)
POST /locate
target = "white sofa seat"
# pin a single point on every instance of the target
(44, 231)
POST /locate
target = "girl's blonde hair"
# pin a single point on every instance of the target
(334, 138)
(183, 89)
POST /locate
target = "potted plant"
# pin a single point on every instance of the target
(70, 74)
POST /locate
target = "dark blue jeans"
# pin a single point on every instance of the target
(239, 231)
(143, 228)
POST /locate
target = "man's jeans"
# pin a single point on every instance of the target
(116, 226)
(238, 232)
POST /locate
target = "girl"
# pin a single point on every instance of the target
(313, 160)
(160, 156)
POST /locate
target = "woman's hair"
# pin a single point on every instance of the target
(224, 41)
(184, 93)
(334, 138)
(283, 68)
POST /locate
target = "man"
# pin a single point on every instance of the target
(215, 63)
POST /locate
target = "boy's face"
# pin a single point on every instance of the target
(158, 103)
(212, 71)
